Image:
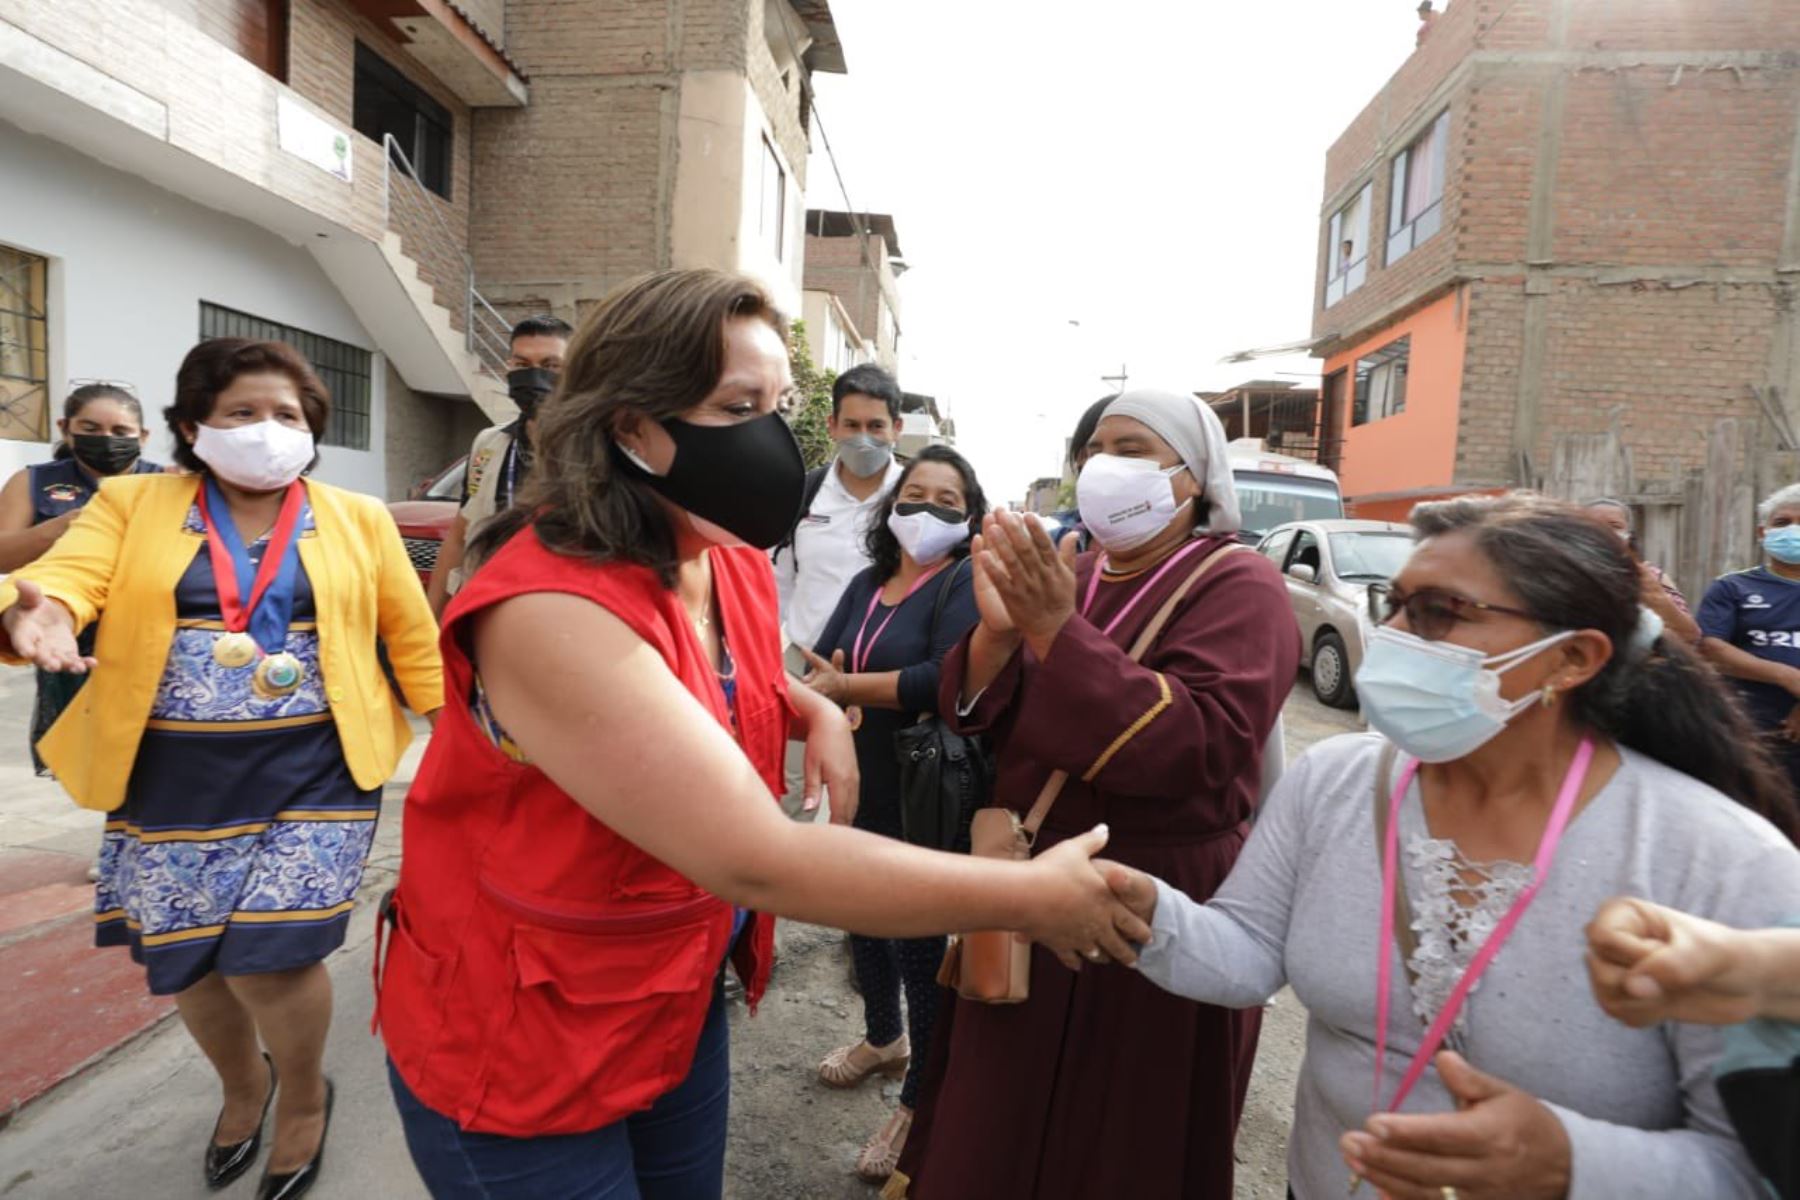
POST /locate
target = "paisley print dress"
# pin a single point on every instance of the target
(242, 838)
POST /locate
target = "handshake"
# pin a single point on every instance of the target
(1082, 907)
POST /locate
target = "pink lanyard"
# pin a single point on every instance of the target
(859, 657)
(1390, 872)
(1087, 601)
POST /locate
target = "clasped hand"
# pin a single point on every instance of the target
(42, 632)
(1075, 911)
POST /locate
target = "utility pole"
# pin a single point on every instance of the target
(1119, 379)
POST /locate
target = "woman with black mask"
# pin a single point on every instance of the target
(103, 434)
(595, 830)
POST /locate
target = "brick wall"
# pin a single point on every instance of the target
(576, 189)
(1694, 173)
(434, 231)
(1506, 106)
(835, 264)
(1682, 24)
(780, 101)
(1655, 298)
(436, 433)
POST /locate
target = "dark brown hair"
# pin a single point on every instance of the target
(86, 394)
(655, 346)
(213, 365)
(1572, 572)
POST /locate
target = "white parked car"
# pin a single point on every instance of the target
(1328, 566)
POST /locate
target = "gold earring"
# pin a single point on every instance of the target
(1549, 695)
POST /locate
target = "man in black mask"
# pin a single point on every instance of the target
(500, 459)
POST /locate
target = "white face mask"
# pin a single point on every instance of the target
(925, 535)
(258, 458)
(1125, 502)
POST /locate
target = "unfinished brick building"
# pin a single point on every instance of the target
(1559, 249)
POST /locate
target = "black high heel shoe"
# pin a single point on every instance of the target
(226, 1163)
(290, 1185)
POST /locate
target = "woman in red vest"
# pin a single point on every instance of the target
(596, 827)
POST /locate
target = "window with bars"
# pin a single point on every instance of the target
(24, 346)
(345, 370)
(1381, 382)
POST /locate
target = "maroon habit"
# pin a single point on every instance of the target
(1103, 1085)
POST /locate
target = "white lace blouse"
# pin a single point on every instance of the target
(1455, 905)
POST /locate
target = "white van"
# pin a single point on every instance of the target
(1274, 489)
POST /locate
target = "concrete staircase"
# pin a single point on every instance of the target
(397, 305)
(484, 387)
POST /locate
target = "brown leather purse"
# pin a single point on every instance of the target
(994, 966)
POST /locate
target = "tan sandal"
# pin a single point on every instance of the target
(882, 1153)
(839, 1070)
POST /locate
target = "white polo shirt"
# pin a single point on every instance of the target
(813, 573)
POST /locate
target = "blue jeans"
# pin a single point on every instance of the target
(674, 1150)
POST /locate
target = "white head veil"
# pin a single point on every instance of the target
(1193, 429)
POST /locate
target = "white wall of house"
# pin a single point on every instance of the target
(718, 206)
(130, 264)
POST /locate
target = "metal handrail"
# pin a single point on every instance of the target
(492, 359)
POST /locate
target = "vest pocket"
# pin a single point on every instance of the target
(409, 997)
(603, 1017)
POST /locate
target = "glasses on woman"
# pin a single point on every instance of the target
(1432, 613)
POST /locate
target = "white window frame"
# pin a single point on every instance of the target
(1344, 274)
(1407, 229)
(772, 227)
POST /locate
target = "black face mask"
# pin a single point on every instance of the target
(949, 516)
(104, 454)
(528, 386)
(747, 478)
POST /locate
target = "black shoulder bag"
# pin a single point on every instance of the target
(944, 776)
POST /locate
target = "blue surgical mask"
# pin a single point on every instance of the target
(1783, 544)
(1438, 701)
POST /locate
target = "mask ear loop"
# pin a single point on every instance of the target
(635, 459)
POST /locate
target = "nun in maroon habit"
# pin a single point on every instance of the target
(1102, 1085)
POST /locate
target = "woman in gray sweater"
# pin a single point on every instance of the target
(1553, 751)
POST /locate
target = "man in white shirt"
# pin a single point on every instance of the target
(814, 567)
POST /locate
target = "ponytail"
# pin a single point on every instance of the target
(1669, 705)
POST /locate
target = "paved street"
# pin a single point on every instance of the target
(133, 1123)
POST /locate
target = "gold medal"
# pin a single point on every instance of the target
(278, 675)
(234, 650)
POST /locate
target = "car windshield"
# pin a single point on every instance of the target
(1267, 500)
(447, 486)
(1369, 556)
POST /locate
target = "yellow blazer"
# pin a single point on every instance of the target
(125, 553)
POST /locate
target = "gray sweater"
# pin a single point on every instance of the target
(1302, 907)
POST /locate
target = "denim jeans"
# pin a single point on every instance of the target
(674, 1150)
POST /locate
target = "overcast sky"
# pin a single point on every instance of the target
(1149, 169)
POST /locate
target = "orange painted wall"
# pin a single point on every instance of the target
(1415, 449)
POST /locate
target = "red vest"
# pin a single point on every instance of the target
(543, 975)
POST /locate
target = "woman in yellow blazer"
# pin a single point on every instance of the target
(238, 726)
